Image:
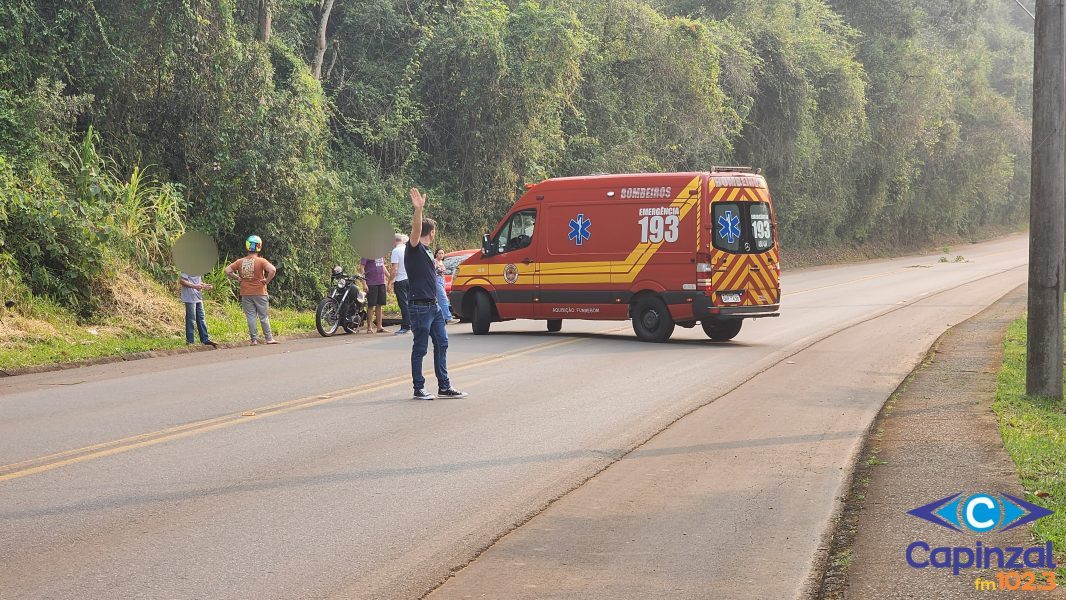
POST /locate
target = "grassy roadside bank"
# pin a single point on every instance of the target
(48, 337)
(1034, 434)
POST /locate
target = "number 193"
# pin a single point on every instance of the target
(657, 229)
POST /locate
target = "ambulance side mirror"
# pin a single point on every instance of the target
(486, 245)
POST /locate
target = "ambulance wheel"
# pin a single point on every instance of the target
(482, 316)
(651, 320)
(555, 325)
(722, 330)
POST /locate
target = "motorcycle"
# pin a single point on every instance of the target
(344, 308)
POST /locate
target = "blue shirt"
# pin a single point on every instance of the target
(421, 272)
(189, 294)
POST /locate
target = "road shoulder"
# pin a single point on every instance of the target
(737, 499)
(937, 436)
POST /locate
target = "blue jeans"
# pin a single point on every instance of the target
(442, 299)
(427, 321)
(194, 313)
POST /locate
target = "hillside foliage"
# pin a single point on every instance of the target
(124, 123)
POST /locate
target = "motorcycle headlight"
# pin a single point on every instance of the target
(340, 284)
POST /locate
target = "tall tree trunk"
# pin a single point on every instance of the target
(333, 59)
(320, 42)
(266, 19)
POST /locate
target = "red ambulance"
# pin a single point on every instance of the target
(661, 249)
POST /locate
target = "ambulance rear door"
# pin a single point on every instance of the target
(743, 251)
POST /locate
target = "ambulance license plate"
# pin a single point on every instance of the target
(732, 298)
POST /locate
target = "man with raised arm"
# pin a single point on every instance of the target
(427, 319)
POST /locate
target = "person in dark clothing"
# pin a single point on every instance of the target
(427, 319)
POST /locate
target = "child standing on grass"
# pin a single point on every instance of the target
(192, 295)
(254, 273)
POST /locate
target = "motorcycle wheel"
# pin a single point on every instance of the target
(327, 317)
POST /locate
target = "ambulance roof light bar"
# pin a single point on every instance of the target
(716, 169)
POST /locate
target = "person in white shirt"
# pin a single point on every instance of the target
(398, 283)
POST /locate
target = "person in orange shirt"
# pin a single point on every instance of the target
(254, 273)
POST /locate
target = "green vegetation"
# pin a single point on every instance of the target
(60, 339)
(1034, 434)
(53, 336)
(123, 124)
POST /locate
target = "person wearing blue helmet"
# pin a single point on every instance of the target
(254, 274)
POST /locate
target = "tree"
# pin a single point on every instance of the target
(320, 40)
(265, 20)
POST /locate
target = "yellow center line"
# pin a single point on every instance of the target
(69, 457)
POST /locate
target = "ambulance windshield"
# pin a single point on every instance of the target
(517, 233)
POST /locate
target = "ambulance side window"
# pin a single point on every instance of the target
(517, 233)
(762, 233)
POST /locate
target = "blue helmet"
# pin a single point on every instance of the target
(254, 243)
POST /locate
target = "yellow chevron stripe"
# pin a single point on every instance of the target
(761, 280)
(699, 227)
(732, 277)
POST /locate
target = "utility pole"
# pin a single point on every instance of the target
(1046, 214)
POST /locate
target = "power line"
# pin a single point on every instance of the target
(1019, 2)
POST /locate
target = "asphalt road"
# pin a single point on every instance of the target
(304, 470)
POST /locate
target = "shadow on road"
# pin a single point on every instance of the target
(631, 342)
(604, 456)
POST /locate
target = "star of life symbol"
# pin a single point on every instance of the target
(728, 227)
(579, 229)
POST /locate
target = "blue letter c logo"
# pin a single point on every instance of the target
(981, 513)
